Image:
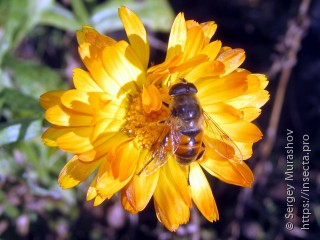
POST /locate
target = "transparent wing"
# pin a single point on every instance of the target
(158, 155)
(175, 134)
(220, 141)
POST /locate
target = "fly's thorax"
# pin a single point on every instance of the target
(186, 107)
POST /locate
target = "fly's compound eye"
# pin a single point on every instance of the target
(182, 88)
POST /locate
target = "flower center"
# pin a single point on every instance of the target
(145, 127)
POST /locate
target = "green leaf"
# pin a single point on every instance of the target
(19, 104)
(60, 17)
(18, 17)
(80, 11)
(20, 130)
(157, 15)
(31, 78)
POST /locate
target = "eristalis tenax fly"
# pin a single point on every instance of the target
(184, 132)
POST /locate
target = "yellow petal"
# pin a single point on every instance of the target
(205, 69)
(151, 99)
(201, 193)
(91, 36)
(80, 101)
(92, 192)
(194, 43)
(50, 136)
(75, 140)
(106, 185)
(256, 82)
(171, 207)
(212, 49)
(189, 64)
(100, 199)
(246, 149)
(103, 145)
(232, 59)
(100, 75)
(228, 171)
(62, 116)
(242, 131)
(164, 66)
(137, 34)
(50, 99)
(209, 29)
(124, 160)
(191, 23)
(256, 99)
(75, 171)
(140, 189)
(178, 37)
(83, 81)
(223, 113)
(110, 116)
(123, 67)
(250, 113)
(118, 170)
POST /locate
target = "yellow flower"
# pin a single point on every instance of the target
(116, 113)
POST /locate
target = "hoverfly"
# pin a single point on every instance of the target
(183, 134)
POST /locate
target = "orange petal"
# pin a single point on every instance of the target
(170, 206)
(117, 171)
(126, 204)
(178, 37)
(242, 131)
(223, 113)
(256, 82)
(237, 173)
(213, 90)
(232, 59)
(50, 99)
(151, 99)
(124, 160)
(137, 35)
(106, 185)
(75, 171)
(140, 189)
(201, 193)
